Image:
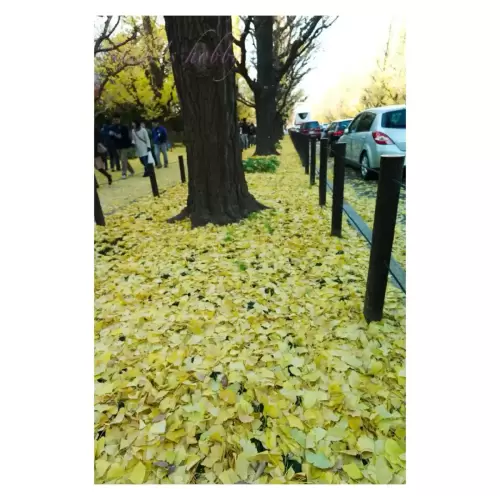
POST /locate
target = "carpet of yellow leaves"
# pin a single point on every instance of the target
(240, 353)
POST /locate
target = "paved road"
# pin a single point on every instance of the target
(368, 189)
(365, 189)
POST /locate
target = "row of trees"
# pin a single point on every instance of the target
(197, 69)
(272, 54)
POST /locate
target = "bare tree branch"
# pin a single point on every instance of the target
(244, 101)
(105, 36)
(308, 34)
(241, 65)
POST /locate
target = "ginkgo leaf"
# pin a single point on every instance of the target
(158, 427)
(138, 473)
(101, 467)
(299, 436)
(365, 443)
(228, 476)
(228, 396)
(191, 461)
(392, 450)
(383, 471)
(295, 422)
(310, 398)
(353, 471)
(271, 410)
(102, 389)
(242, 465)
(115, 471)
(245, 418)
(318, 460)
(175, 436)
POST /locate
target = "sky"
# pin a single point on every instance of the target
(347, 55)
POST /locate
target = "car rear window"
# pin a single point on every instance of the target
(309, 125)
(394, 119)
(343, 125)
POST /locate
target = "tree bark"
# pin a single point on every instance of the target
(202, 59)
(265, 96)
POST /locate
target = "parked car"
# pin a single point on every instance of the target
(312, 129)
(336, 129)
(373, 133)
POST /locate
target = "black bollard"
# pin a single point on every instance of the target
(181, 168)
(323, 165)
(154, 184)
(312, 172)
(338, 189)
(386, 210)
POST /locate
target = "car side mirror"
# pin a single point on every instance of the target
(346, 131)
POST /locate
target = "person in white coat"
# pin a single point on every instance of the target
(140, 139)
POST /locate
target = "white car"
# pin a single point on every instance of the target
(373, 133)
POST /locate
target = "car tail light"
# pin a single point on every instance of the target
(338, 133)
(381, 138)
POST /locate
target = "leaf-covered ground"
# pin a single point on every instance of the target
(240, 353)
(122, 192)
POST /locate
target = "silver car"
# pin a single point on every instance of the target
(373, 133)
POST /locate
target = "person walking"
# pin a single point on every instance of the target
(245, 129)
(160, 139)
(251, 135)
(99, 151)
(103, 141)
(140, 138)
(108, 142)
(121, 140)
(149, 130)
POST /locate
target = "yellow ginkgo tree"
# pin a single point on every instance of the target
(137, 77)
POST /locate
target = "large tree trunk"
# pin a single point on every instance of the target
(265, 96)
(202, 59)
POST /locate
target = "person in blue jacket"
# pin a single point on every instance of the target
(120, 137)
(160, 143)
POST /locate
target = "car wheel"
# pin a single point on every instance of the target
(366, 172)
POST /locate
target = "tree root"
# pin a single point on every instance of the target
(183, 214)
(198, 219)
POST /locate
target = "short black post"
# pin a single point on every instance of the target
(181, 168)
(154, 184)
(386, 209)
(323, 164)
(98, 215)
(312, 176)
(306, 152)
(338, 189)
